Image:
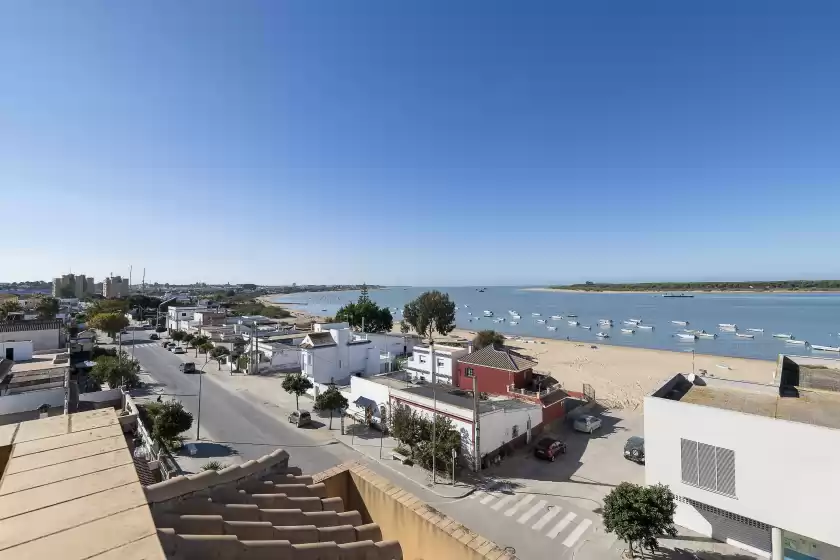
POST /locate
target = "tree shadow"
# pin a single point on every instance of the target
(678, 553)
(207, 449)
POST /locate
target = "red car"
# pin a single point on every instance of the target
(549, 448)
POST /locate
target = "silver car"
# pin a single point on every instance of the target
(587, 424)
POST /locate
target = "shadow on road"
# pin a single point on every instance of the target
(678, 553)
(205, 449)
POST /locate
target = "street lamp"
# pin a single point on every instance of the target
(198, 420)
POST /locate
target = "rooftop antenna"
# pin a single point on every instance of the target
(130, 268)
(144, 280)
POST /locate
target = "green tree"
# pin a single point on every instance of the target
(331, 400)
(189, 338)
(297, 384)
(438, 440)
(198, 341)
(486, 338)
(108, 306)
(431, 312)
(111, 323)
(169, 421)
(205, 348)
(366, 315)
(639, 514)
(178, 336)
(9, 305)
(47, 308)
(116, 371)
(218, 353)
(406, 426)
(404, 326)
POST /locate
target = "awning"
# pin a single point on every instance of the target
(364, 402)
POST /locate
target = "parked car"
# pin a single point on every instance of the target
(300, 418)
(187, 367)
(179, 350)
(587, 424)
(634, 449)
(154, 336)
(549, 448)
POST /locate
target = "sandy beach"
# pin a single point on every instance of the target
(620, 376)
(300, 317)
(623, 376)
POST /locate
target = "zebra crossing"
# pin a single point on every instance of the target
(550, 520)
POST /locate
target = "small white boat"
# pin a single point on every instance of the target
(516, 317)
(727, 325)
(744, 335)
(488, 313)
(465, 305)
(602, 335)
(628, 331)
(535, 315)
(605, 322)
(556, 317)
(541, 321)
(574, 323)
(705, 335)
(512, 312)
(571, 315)
(499, 320)
(587, 327)
(686, 336)
(756, 330)
(782, 335)
(799, 342)
(825, 348)
(637, 321)
(646, 327)
(683, 323)
(728, 329)
(631, 322)
(552, 328)
(470, 313)
(513, 323)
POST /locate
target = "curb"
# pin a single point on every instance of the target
(402, 474)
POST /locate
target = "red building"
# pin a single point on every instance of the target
(499, 371)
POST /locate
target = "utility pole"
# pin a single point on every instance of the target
(476, 426)
(434, 406)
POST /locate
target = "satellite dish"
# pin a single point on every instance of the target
(691, 378)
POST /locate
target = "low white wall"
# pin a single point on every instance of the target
(21, 349)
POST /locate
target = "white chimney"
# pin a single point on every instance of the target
(469, 347)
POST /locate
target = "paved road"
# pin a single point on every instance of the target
(228, 419)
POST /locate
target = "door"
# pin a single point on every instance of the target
(10, 354)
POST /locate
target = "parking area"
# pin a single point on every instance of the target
(592, 466)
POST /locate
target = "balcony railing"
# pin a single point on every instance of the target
(536, 394)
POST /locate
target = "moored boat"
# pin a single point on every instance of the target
(825, 348)
(602, 335)
(783, 335)
(608, 322)
(535, 314)
(574, 323)
(686, 336)
(587, 327)
(744, 335)
(628, 331)
(727, 325)
(799, 342)
(646, 327)
(680, 322)
(756, 330)
(541, 321)
(488, 313)
(513, 323)
(556, 317)
(705, 335)
(571, 315)
(551, 328)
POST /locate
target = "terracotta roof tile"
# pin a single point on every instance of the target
(498, 359)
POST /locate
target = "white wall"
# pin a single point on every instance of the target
(461, 417)
(393, 343)
(497, 427)
(445, 363)
(285, 358)
(785, 472)
(41, 340)
(338, 363)
(22, 350)
(361, 387)
(323, 327)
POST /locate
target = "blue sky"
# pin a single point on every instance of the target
(423, 143)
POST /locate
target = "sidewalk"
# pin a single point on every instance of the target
(266, 390)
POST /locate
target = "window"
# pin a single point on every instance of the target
(514, 433)
(708, 467)
(422, 359)
(469, 372)
(439, 363)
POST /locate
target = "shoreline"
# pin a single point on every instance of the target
(297, 314)
(571, 291)
(620, 376)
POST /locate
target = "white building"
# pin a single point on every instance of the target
(753, 465)
(16, 351)
(501, 420)
(178, 317)
(115, 287)
(45, 335)
(419, 364)
(274, 356)
(333, 356)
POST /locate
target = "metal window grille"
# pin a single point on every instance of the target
(708, 467)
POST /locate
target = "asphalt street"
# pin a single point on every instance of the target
(230, 421)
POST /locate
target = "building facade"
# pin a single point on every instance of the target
(115, 287)
(419, 365)
(333, 356)
(753, 465)
(73, 285)
(45, 335)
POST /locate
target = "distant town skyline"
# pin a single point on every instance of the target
(421, 143)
